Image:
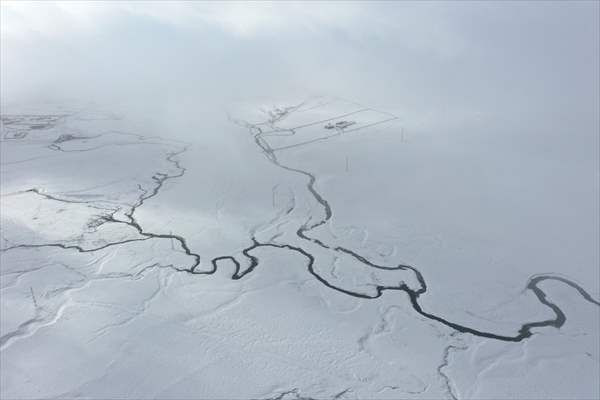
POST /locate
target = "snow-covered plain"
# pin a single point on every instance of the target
(313, 248)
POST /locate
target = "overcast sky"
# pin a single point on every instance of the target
(457, 58)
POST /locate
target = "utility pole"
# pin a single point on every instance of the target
(172, 247)
(347, 169)
(402, 134)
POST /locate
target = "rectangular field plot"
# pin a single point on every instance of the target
(322, 125)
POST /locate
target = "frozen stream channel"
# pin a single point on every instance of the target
(315, 248)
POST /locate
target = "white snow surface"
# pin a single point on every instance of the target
(109, 231)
